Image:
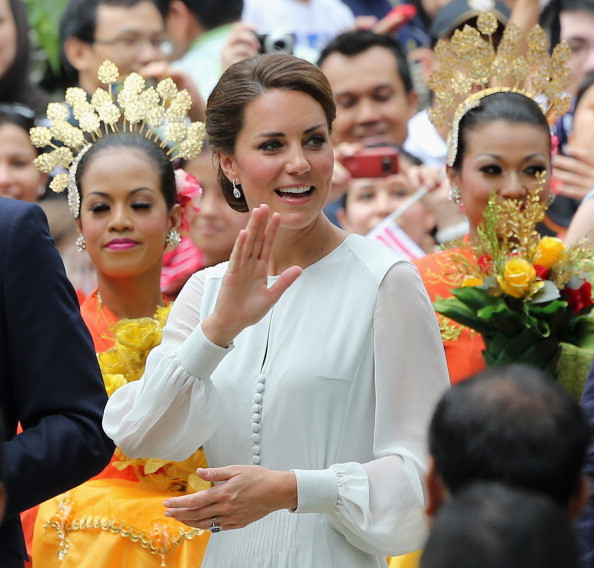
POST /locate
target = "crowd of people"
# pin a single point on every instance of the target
(223, 226)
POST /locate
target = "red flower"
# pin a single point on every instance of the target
(485, 262)
(541, 271)
(580, 298)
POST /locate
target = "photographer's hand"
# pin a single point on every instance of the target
(241, 44)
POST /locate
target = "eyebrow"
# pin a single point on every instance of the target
(498, 157)
(281, 134)
(103, 194)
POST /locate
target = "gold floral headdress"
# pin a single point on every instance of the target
(157, 112)
(470, 68)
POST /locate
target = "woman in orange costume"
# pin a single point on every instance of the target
(122, 193)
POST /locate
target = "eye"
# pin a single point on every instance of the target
(383, 95)
(139, 205)
(19, 163)
(316, 141)
(99, 207)
(270, 146)
(346, 102)
(534, 170)
(365, 196)
(400, 193)
(491, 169)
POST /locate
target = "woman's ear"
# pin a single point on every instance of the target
(228, 166)
(453, 176)
(175, 217)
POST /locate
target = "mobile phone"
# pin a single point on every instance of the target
(372, 162)
(277, 43)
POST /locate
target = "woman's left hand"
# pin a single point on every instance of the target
(243, 494)
(574, 172)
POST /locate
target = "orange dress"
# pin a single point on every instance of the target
(117, 518)
(463, 346)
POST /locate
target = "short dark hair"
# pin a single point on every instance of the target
(492, 525)
(245, 81)
(214, 13)
(355, 42)
(510, 107)
(79, 20)
(154, 153)
(510, 424)
(20, 116)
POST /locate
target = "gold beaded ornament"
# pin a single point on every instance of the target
(470, 69)
(158, 113)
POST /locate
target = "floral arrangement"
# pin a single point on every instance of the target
(125, 362)
(525, 294)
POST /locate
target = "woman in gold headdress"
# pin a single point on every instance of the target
(499, 105)
(122, 193)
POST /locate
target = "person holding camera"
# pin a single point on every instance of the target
(307, 366)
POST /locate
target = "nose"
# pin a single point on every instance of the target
(208, 203)
(148, 51)
(367, 111)
(514, 187)
(120, 219)
(297, 163)
(384, 205)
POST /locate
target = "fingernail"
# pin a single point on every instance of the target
(167, 514)
(166, 504)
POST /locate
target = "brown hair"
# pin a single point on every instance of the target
(245, 81)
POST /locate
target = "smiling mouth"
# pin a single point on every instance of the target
(295, 192)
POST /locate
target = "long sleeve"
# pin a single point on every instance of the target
(379, 505)
(49, 376)
(172, 409)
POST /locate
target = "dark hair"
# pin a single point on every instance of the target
(510, 424)
(15, 85)
(79, 20)
(136, 141)
(510, 107)
(356, 42)
(18, 115)
(245, 81)
(214, 13)
(492, 525)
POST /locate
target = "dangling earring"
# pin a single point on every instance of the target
(551, 198)
(81, 245)
(455, 195)
(236, 190)
(173, 238)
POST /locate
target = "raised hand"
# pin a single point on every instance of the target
(245, 298)
(243, 494)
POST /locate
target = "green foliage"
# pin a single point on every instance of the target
(44, 17)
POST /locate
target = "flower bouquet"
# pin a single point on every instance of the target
(527, 295)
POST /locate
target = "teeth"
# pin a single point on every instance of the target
(295, 189)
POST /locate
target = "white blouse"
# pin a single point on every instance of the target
(337, 383)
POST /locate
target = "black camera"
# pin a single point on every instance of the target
(276, 43)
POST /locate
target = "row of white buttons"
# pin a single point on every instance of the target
(256, 416)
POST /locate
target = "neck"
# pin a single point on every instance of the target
(306, 246)
(131, 297)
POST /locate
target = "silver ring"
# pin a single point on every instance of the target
(215, 528)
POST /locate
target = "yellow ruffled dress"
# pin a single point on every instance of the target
(117, 519)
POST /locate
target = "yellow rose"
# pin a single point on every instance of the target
(518, 275)
(472, 281)
(110, 361)
(548, 251)
(141, 333)
(113, 382)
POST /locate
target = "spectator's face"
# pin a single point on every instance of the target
(8, 38)
(372, 106)
(130, 37)
(577, 29)
(19, 178)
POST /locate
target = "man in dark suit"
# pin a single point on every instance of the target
(49, 376)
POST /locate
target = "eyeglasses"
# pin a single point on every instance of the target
(136, 43)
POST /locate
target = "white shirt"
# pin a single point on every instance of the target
(348, 365)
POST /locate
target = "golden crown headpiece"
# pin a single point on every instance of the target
(157, 112)
(470, 68)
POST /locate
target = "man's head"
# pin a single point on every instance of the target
(372, 87)
(492, 525)
(513, 425)
(187, 20)
(576, 20)
(131, 33)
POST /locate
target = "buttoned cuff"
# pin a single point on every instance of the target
(200, 356)
(317, 491)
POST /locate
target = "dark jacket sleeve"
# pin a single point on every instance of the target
(585, 524)
(50, 377)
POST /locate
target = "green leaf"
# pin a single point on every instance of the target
(458, 311)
